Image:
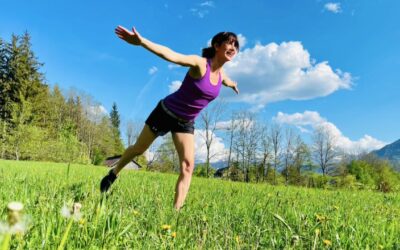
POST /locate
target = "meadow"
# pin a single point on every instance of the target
(138, 213)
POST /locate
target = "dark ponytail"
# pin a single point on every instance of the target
(218, 39)
(208, 52)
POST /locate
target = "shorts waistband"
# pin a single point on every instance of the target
(169, 112)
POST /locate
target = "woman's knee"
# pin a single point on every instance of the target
(187, 167)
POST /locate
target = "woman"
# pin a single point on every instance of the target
(177, 112)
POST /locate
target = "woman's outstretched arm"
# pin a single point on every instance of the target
(133, 37)
(229, 83)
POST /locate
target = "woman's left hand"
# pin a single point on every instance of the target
(235, 88)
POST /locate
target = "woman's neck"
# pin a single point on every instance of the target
(216, 64)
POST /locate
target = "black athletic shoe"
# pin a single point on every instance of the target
(107, 181)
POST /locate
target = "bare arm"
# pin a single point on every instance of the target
(133, 37)
(228, 82)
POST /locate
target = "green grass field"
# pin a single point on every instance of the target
(217, 214)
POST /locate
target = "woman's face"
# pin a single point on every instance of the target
(226, 50)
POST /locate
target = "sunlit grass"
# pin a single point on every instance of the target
(218, 214)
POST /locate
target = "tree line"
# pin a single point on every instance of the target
(39, 122)
(269, 152)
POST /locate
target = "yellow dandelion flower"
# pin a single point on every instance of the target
(327, 243)
(237, 238)
(173, 235)
(166, 227)
(320, 218)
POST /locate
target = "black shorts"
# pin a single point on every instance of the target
(161, 121)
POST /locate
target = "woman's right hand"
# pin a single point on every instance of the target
(132, 37)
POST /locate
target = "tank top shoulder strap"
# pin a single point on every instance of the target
(208, 64)
(208, 71)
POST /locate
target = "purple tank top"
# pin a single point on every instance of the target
(193, 95)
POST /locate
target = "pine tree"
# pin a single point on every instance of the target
(114, 116)
(22, 93)
(115, 123)
(20, 75)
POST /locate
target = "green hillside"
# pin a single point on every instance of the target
(138, 213)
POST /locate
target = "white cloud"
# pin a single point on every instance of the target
(97, 110)
(217, 149)
(242, 40)
(208, 4)
(174, 86)
(209, 42)
(103, 109)
(95, 113)
(226, 125)
(199, 12)
(149, 155)
(333, 7)
(313, 120)
(153, 70)
(173, 66)
(203, 9)
(300, 119)
(276, 72)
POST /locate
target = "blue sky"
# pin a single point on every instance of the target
(304, 63)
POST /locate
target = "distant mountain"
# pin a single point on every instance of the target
(219, 164)
(216, 165)
(390, 152)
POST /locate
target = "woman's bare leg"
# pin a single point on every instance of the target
(143, 142)
(184, 144)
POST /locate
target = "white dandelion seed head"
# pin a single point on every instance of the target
(15, 206)
(72, 211)
(65, 212)
(18, 228)
(76, 207)
(14, 212)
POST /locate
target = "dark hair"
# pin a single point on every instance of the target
(218, 39)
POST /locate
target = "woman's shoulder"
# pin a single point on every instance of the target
(201, 70)
(200, 61)
(204, 61)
